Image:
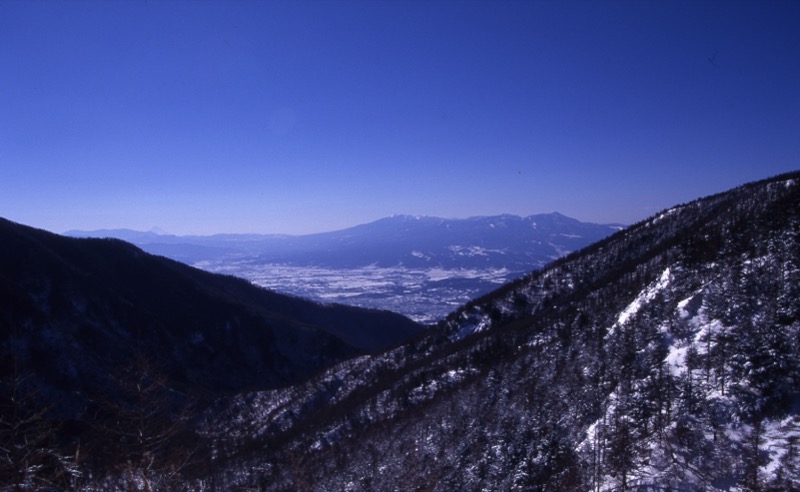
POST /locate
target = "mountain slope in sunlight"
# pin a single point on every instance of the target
(663, 357)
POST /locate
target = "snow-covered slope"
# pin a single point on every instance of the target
(661, 358)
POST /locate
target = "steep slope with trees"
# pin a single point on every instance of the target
(103, 343)
(662, 357)
(70, 303)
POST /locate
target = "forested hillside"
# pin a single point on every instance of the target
(108, 354)
(662, 358)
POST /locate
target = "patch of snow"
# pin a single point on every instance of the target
(700, 329)
(473, 250)
(644, 297)
(663, 215)
(682, 312)
(776, 442)
(676, 360)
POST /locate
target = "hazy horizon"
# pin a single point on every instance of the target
(161, 231)
(301, 117)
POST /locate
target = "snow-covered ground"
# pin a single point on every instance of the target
(777, 439)
(423, 294)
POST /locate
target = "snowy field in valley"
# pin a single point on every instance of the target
(424, 295)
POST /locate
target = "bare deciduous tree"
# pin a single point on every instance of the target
(148, 424)
(30, 457)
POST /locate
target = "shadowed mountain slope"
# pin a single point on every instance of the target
(72, 310)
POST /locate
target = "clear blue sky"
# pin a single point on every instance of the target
(295, 117)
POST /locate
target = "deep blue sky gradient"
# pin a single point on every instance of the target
(295, 117)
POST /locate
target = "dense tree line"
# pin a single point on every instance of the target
(557, 391)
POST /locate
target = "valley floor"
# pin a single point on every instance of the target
(425, 295)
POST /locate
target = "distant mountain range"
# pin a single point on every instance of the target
(422, 267)
(502, 241)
